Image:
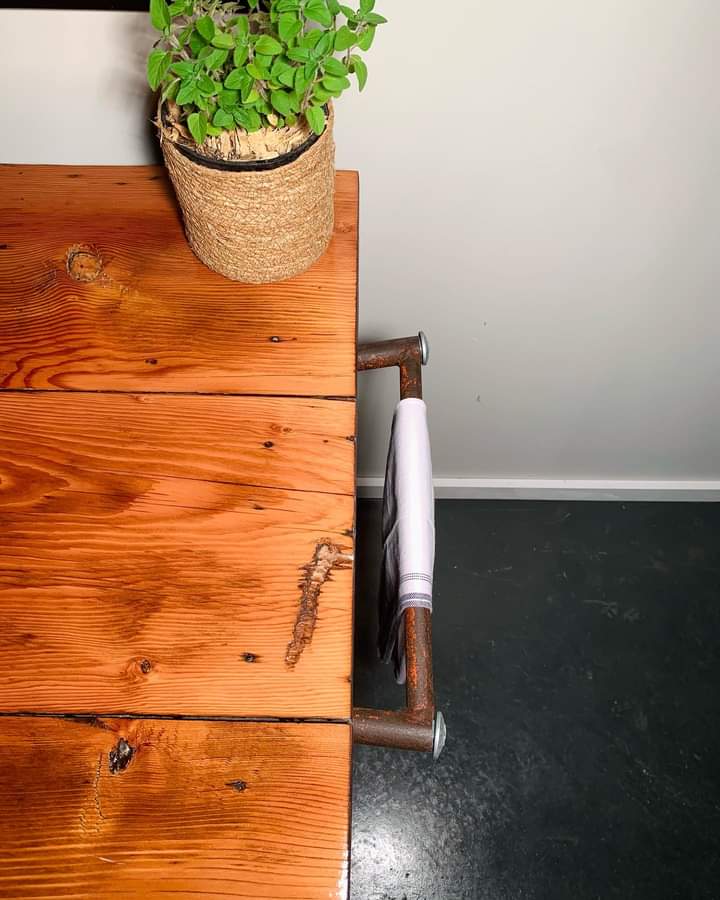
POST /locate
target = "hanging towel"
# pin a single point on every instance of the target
(408, 529)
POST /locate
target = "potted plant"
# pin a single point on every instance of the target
(245, 121)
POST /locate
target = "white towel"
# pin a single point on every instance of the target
(408, 529)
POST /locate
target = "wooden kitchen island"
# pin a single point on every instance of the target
(177, 490)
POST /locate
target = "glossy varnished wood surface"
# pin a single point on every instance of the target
(183, 809)
(99, 290)
(277, 442)
(177, 456)
(154, 550)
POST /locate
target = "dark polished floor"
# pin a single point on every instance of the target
(577, 661)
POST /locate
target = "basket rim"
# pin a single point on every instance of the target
(242, 165)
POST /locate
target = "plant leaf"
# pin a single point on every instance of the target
(325, 44)
(360, 69)
(215, 59)
(333, 66)
(242, 117)
(205, 28)
(223, 119)
(283, 72)
(317, 11)
(205, 84)
(228, 99)
(367, 6)
(184, 35)
(197, 42)
(240, 54)
(268, 46)
(170, 92)
(256, 72)
(159, 14)
(243, 27)
(223, 40)
(344, 38)
(186, 94)
(310, 38)
(255, 120)
(197, 126)
(315, 116)
(279, 64)
(281, 102)
(321, 95)
(366, 38)
(289, 27)
(301, 82)
(374, 19)
(237, 79)
(331, 83)
(299, 54)
(182, 68)
(288, 77)
(334, 7)
(158, 64)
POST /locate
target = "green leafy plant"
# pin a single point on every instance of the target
(261, 63)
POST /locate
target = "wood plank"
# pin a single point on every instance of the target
(151, 317)
(153, 809)
(173, 597)
(72, 438)
(138, 574)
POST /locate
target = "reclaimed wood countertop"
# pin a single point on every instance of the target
(177, 491)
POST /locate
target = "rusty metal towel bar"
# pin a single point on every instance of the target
(418, 726)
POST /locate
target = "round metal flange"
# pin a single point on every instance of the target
(424, 347)
(439, 734)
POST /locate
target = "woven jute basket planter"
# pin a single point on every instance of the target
(258, 221)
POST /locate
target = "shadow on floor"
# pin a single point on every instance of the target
(577, 661)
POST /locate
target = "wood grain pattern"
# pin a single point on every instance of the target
(139, 573)
(170, 596)
(72, 439)
(170, 550)
(100, 291)
(193, 809)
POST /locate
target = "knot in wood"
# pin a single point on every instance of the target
(119, 757)
(83, 263)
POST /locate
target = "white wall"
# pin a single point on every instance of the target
(540, 193)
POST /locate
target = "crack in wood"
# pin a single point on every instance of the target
(327, 556)
(91, 720)
(96, 790)
(99, 817)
